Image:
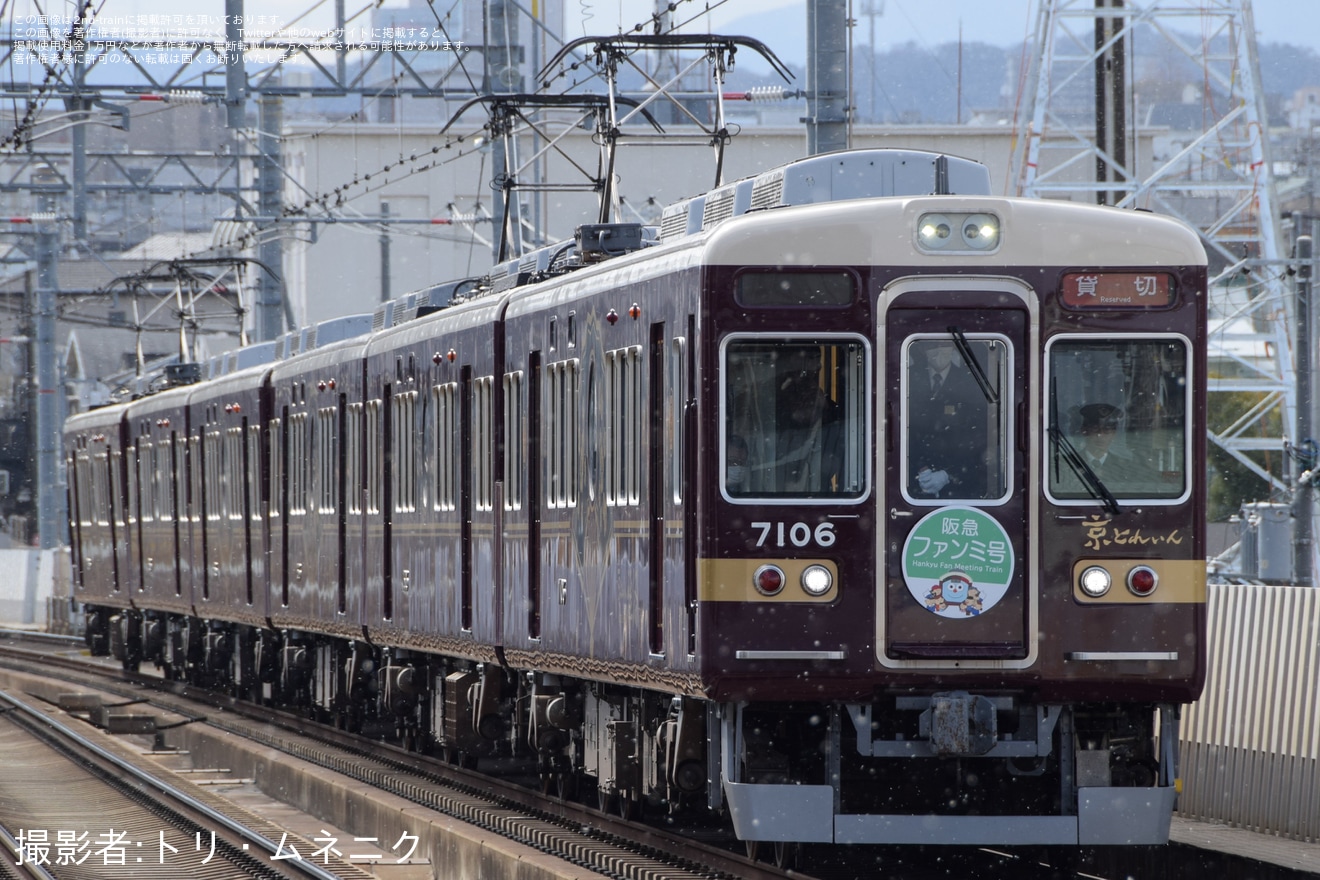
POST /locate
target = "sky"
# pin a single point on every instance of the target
(998, 22)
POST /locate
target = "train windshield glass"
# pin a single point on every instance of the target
(795, 418)
(958, 403)
(1117, 415)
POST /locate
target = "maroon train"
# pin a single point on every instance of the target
(854, 512)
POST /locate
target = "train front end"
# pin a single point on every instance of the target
(951, 563)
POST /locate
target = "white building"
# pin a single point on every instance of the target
(334, 269)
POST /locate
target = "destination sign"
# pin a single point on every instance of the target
(1117, 290)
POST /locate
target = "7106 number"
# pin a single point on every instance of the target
(798, 534)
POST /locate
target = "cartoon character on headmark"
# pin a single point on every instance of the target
(954, 590)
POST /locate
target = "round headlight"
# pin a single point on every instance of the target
(934, 231)
(980, 232)
(1142, 581)
(768, 580)
(817, 580)
(1095, 581)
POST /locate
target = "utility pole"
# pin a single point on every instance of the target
(1110, 99)
(502, 76)
(235, 72)
(51, 501)
(873, 9)
(76, 103)
(827, 76)
(384, 251)
(1302, 494)
(270, 187)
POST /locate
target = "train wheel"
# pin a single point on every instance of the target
(566, 785)
(786, 855)
(604, 800)
(753, 848)
(627, 808)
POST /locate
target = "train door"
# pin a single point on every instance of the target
(959, 492)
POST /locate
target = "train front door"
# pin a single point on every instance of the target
(959, 482)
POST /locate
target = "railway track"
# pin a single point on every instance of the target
(80, 806)
(588, 838)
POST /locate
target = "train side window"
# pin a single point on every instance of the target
(100, 479)
(623, 426)
(254, 473)
(160, 480)
(146, 474)
(483, 442)
(446, 424)
(403, 481)
(561, 433)
(957, 416)
(232, 473)
(795, 418)
(352, 459)
(677, 402)
(115, 461)
(1117, 413)
(276, 467)
(212, 480)
(514, 441)
(374, 458)
(299, 464)
(326, 452)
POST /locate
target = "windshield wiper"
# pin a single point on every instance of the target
(991, 395)
(1098, 490)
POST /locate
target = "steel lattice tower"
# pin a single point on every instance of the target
(1078, 138)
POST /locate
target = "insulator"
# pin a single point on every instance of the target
(186, 96)
(766, 94)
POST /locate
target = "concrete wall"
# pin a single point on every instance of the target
(29, 583)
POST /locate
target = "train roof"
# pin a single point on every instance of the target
(93, 418)
(481, 311)
(1034, 232)
(316, 358)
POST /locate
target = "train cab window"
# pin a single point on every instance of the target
(1116, 419)
(957, 405)
(795, 418)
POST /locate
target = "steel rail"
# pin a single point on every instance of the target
(169, 791)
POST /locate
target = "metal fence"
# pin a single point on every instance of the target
(1251, 745)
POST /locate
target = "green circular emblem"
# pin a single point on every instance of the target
(958, 562)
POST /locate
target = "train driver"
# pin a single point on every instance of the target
(947, 428)
(809, 442)
(1116, 468)
(735, 472)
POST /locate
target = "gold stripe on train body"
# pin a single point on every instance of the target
(731, 580)
(1181, 582)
